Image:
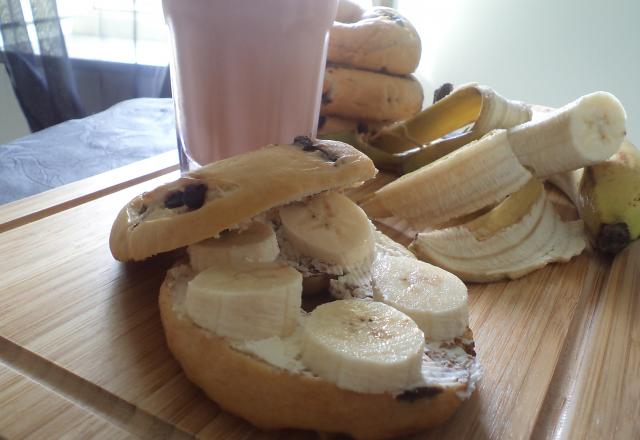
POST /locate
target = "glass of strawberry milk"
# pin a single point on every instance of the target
(245, 73)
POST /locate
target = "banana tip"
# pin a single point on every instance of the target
(614, 237)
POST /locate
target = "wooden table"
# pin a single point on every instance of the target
(82, 353)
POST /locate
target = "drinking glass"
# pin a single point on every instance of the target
(245, 73)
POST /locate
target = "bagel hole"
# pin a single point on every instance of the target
(315, 291)
(310, 302)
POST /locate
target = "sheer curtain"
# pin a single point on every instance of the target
(45, 79)
(41, 76)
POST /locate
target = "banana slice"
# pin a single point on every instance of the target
(246, 301)
(478, 175)
(357, 282)
(330, 228)
(257, 244)
(434, 298)
(387, 246)
(363, 346)
(584, 132)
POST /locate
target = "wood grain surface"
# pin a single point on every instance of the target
(29, 409)
(80, 337)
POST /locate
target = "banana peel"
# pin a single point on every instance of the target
(476, 108)
(607, 196)
(407, 161)
(465, 115)
(610, 200)
(519, 235)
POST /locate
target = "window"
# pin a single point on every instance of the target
(129, 31)
(126, 31)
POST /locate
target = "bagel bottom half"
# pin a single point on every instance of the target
(272, 398)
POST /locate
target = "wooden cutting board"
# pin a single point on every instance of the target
(82, 353)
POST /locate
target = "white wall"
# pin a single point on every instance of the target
(543, 51)
(12, 123)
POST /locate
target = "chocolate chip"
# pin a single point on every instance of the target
(388, 13)
(308, 144)
(330, 156)
(305, 142)
(326, 97)
(174, 200)
(419, 393)
(393, 16)
(442, 91)
(194, 195)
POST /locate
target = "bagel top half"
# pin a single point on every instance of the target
(222, 195)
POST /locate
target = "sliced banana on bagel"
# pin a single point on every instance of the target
(434, 298)
(232, 314)
(330, 228)
(247, 300)
(363, 346)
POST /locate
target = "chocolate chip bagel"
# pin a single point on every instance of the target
(205, 202)
(370, 57)
(386, 351)
(379, 39)
(363, 95)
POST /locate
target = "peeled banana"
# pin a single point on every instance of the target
(607, 196)
(480, 174)
(584, 132)
(485, 171)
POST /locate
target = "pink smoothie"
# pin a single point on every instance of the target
(246, 73)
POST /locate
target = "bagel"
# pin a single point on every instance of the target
(378, 39)
(235, 318)
(360, 94)
(234, 192)
(348, 12)
(274, 398)
(334, 124)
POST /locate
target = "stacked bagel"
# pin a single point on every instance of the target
(370, 59)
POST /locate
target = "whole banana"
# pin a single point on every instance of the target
(609, 199)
